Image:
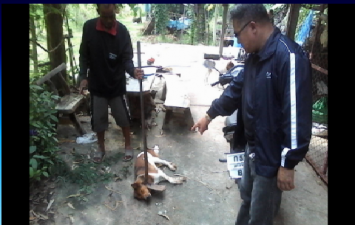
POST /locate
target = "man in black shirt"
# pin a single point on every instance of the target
(106, 52)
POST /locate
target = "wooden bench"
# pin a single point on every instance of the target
(68, 102)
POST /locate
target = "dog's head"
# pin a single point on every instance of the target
(141, 191)
(229, 65)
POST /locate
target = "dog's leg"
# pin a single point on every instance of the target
(161, 176)
(171, 165)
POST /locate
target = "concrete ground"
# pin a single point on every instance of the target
(208, 197)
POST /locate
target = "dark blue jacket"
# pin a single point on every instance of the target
(275, 95)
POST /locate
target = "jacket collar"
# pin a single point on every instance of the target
(270, 45)
(100, 27)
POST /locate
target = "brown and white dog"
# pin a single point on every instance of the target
(155, 174)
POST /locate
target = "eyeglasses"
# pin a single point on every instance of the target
(236, 34)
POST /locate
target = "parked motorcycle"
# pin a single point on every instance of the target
(235, 156)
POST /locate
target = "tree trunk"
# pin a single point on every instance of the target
(292, 20)
(55, 41)
(215, 24)
(33, 42)
(200, 23)
(224, 26)
(202, 16)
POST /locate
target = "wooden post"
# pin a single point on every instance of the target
(322, 7)
(208, 27)
(144, 137)
(183, 25)
(51, 74)
(71, 57)
(292, 20)
(224, 26)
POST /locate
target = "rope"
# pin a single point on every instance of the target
(49, 51)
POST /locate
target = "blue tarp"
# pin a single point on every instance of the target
(179, 24)
(236, 44)
(147, 8)
(305, 29)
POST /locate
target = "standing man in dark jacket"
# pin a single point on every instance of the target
(275, 92)
(106, 51)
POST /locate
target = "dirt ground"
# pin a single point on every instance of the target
(208, 197)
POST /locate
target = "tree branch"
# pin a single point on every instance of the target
(52, 50)
(39, 45)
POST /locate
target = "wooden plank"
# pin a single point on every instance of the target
(320, 69)
(176, 94)
(51, 74)
(64, 84)
(69, 103)
(133, 85)
(52, 86)
(77, 124)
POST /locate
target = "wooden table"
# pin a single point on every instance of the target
(177, 102)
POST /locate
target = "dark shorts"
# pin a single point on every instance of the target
(99, 112)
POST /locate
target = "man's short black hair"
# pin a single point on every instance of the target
(244, 13)
(98, 5)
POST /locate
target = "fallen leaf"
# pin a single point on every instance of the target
(33, 218)
(158, 136)
(163, 215)
(43, 217)
(34, 213)
(70, 205)
(113, 209)
(70, 196)
(73, 167)
(112, 190)
(50, 204)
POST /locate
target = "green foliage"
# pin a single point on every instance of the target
(78, 13)
(268, 6)
(161, 18)
(136, 10)
(43, 143)
(87, 174)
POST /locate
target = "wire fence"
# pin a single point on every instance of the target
(317, 156)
